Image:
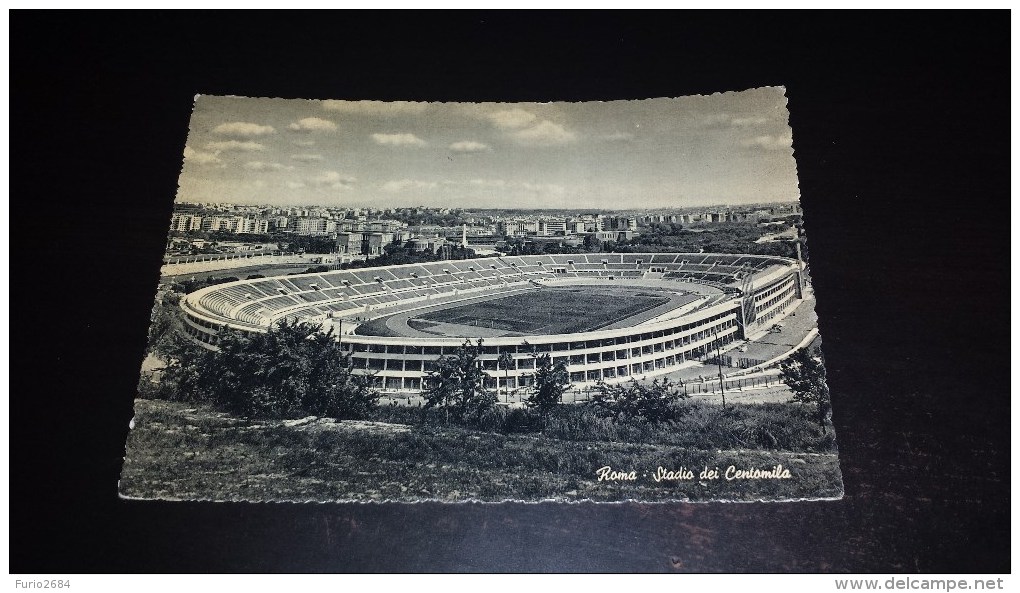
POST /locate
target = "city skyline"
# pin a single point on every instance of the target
(567, 211)
(727, 149)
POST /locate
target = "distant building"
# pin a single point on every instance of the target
(613, 235)
(309, 226)
(220, 223)
(433, 244)
(278, 223)
(373, 243)
(253, 225)
(239, 247)
(350, 243)
(383, 226)
(619, 223)
(572, 240)
(186, 222)
(367, 244)
(556, 226)
(518, 228)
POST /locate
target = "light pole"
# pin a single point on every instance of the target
(505, 360)
(718, 360)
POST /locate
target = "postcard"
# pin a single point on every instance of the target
(376, 301)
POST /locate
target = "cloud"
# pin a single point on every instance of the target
(234, 146)
(715, 120)
(528, 129)
(261, 166)
(743, 122)
(334, 180)
(295, 184)
(406, 184)
(728, 120)
(375, 108)
(493, 183)
(201, 158)
(312, 124)
(303, 142)
(545, 133)
(544, 188)
(306, 158)
(781, 142)
(550, 190)
(242, 129)
(398, 140)
(468, 146)
(511, 119)
(619, 137)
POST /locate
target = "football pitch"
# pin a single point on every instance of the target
(559, 311)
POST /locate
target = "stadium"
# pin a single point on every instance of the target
(609, 317)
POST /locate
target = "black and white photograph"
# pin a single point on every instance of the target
(411, 301)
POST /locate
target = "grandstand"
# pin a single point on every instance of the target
(738, 297)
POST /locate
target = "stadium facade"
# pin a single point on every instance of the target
(728, 297)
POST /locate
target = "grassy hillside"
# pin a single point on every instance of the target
(180, 451)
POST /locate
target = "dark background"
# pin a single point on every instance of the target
(901, 132)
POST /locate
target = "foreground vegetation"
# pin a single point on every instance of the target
(182, 451)
(280, 416)
(696, 425)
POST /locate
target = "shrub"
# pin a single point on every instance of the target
(520, 420)
(456, 385)
(492, 419)
(699, 425)
(657, 401)
(580, 423)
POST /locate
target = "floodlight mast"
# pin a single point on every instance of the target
(718, 360)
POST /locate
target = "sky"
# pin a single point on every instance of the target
(728, 148)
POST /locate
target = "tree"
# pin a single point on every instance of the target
(657, 401)
(506, 362)
(332, 389)
(592, 243)
(164, 323)
(456, 384)
(290, 371)
(551, 380)
(184, 363)
(804, 373)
